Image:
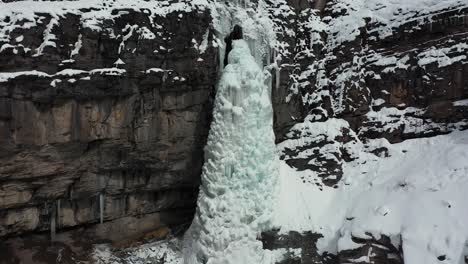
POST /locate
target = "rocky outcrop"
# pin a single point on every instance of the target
(288, 107)
(369, 80)
(104, 114)
(394, 82)
(372, 250)
(301, 247)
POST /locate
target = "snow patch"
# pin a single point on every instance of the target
(5, 76)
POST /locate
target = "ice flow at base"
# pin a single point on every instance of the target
(240, 175)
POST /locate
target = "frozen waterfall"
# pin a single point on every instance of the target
(240, 175)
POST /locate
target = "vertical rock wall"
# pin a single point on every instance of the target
(117, 107)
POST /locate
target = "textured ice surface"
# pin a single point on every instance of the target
(239, 179)
(257, 27)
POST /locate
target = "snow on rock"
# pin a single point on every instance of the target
(70, 72)
(321, 147)
(155, 70)
(108, 71)
(94, 15)
(239, 179)
(119, 62)
(77, 46)
(391, 123)
(5, 76)
(347, 48)
(28, 10)
(442, 55)
(386, 15)
(416, 193)
(461, 103)
(166, 251)
(203, 45)
(49, 38)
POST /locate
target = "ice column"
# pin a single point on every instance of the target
(240, 175)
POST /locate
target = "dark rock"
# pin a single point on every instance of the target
(130, 135)
(305, 242)
(373, 250)
(413, 102)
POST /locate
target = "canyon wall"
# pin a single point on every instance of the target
(370, 74)
(107, 108)
(103, 108)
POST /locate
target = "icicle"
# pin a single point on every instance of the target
(267, 70)
(52, 225)
(165, 75)
(255, 50)
(275, 56)
(58, 212)
(101, 207)
(251, 47)
(222, 51)
(164, 78)
(276, 65)
(228, 169)
(268, 56)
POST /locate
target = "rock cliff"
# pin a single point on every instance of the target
(367, 74)
(393, 72)
(105, 107)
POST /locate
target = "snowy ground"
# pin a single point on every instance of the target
(166, 251)
(419, 191)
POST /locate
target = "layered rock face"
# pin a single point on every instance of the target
(104, 112)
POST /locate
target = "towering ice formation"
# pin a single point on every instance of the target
(240, 175)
